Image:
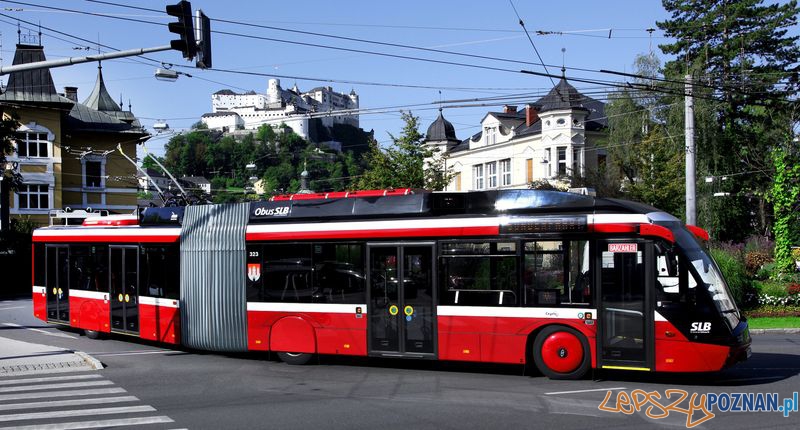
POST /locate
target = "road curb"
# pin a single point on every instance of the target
(91, 361)
(775, 331)
(18, 358)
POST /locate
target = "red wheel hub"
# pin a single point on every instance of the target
(562, 352)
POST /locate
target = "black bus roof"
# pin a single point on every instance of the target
(417, 204)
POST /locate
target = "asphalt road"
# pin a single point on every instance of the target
(201, 390)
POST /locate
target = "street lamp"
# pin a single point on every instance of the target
(167, 75)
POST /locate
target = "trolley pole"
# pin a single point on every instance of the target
(691, 212)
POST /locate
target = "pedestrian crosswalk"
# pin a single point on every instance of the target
(81, 401)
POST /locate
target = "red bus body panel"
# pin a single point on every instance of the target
(159, 320)
(89, 310)
(336, 333)
(40, 302)
(498, 339)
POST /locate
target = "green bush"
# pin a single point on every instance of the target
(771, 288)
(767, 271)
(731, 263)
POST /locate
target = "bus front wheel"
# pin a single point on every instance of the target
(561, 353)
(297, 358)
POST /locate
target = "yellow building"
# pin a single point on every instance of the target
(66, 151)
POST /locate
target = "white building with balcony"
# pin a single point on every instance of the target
(551, 139)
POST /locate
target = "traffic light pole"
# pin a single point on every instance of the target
(77, 60)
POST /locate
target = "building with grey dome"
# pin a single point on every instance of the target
(550, 139)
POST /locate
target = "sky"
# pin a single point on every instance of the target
(589, 35)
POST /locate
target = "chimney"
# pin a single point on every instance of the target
(531, 115)
(509, 109)
(71, 93)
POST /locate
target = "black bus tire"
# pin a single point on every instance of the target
(93, 334)
(294, 358)
(561, 353)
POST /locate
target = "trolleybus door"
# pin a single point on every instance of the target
(57, 282)
(401, 309)
(124, 288)
(626, 332)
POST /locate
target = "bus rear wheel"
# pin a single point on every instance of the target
(561, 353)
(295, 358)
(93, 334)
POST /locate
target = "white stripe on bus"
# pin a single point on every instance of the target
(618, 219)
(86, 294)
(156, 301)
(378, 225)
(495, 311)
(105, 231)
(331, 308)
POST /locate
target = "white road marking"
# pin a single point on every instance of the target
(73, 402)
(50, 379)
(56, 334)
(67, 393)
(124, 422)
(55, 386)
(77, 413)
(14, 307)
(584, 391)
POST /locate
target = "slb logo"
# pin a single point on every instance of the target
(279, 211)
(700, 327)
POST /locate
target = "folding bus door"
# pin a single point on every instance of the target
(124, 288)
(57, 281)
(401, 307)
(626, 332)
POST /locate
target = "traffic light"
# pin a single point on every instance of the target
(184, 28)
(203, 36)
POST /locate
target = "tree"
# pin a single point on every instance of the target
(403, 165)
(660, 180)
(643, 151)
(186, 154)
(8, 126)
(744, 61)
(785, 197)
(149, 163)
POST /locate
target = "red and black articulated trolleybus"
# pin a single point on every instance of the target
(564, 281)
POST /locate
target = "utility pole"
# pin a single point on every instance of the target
(691, 212)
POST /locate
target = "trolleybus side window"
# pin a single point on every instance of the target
(479, 274)
(339, 273)
(160, 267)
(88, 267)
(286, 270)
(38, 264)
(556, 273)
(318, 273)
